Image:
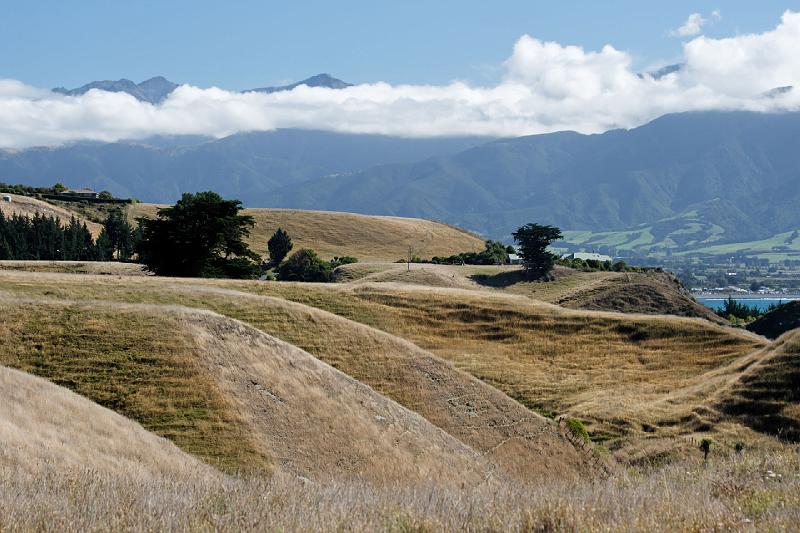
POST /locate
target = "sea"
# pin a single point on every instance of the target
(760, 303)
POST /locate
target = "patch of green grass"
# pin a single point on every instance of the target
(132, 362)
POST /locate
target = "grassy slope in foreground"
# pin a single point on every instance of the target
(44, 426)
(229, 393)
(512, 438)
(616, 371)
(368, 238)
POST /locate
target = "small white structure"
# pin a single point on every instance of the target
(514, 259)
(586, 256)
(7, 198)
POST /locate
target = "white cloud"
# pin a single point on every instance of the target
(693, 26)
(546, 87)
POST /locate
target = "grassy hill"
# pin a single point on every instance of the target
(778, 321)
(368, 238)
(430, 420)
(653, 292)
(29, 207)
(540, 355)
(766, 396)
(230, 394)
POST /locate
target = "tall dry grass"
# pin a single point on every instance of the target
(733, 492)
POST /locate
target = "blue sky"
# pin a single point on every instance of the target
(241, 44)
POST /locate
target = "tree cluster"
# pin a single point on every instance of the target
(45, 238)
(202, 235)
(494, 253)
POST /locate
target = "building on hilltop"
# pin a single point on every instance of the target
(80, 193)
(588, 256)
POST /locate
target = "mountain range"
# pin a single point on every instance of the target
(683, 180)
(739, 171)
(156, 90)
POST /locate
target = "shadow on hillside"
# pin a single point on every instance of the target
(503, 279)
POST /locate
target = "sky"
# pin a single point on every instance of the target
(244, 44)
(420, 68)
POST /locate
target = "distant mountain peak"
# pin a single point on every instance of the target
(663, 71)
(155, 90)
(778, 91)
(319, 80)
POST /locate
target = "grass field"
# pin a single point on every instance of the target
(617, 372)
(733, 492)
(368, 238)
(437, 390)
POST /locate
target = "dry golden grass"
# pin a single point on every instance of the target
(133, 362)
(748, 492)
(652, 383)
(514, 439)
(656, 293)
(237, 398)
(111, 268)
(618, 372)
(27, 206)
(628, 376)
(44, 427)
(369, 238)
(766, 396)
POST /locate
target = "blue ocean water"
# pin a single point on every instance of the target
(760, 303)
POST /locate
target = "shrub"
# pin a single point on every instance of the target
(305, 265)
(344, 260)
(577, 428)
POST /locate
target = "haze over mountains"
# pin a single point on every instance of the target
(730, 174)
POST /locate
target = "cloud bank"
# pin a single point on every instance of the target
(546, 87)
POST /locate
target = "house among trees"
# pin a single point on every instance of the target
(514, 259)
(588, 256)
(81, 193)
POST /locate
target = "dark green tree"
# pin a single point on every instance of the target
(495, 253)
(117, 238)
(202, 235)
(533, 240)
(305, 265)
(279, 246)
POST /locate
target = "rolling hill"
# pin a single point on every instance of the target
(778, 321)
(426, 416)
(766, 396)
(368, 238)
(27, 206)
(246, 400)
(543, 356)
